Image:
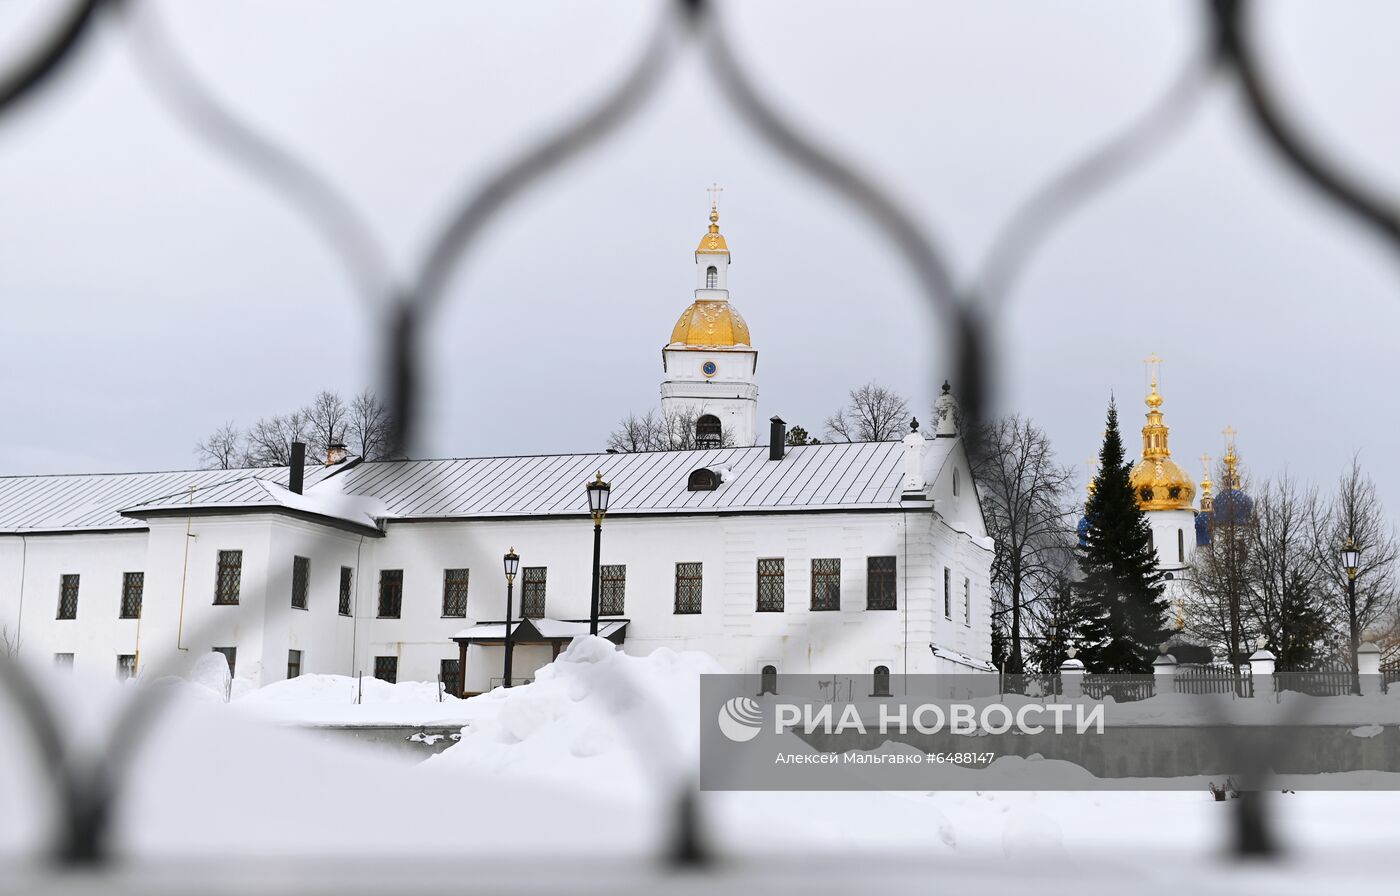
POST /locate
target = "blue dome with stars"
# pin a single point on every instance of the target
(1203, 528)
(1232, 507)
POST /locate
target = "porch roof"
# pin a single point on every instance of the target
(541, 631)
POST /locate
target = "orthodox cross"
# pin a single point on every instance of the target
(1153, 363)
(714, 190)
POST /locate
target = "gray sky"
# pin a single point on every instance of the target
(153, 292)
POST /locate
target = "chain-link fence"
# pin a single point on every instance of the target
(86, 780)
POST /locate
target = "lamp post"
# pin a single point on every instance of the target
(1351, 562)
(512, 564)
(598, 492)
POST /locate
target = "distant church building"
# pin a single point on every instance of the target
(865, 559)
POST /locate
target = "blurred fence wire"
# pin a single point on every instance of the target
(403, 303)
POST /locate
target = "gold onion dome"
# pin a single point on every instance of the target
(711, 323)
(1158, 482)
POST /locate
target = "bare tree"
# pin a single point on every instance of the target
(872, 413)
(1284, 578)
(1024, 495)
(224, 449)
(9, 643)
(327, 424)
(1355, 513)
(270, 439)
(370, 427)
(1218, 587)
(666, 431)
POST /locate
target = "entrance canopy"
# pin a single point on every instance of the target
(540, 631)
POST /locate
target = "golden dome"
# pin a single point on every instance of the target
(711, 323)
(713, 243)
(1158, 483)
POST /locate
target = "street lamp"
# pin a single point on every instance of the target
(1351, 562)
(598, 492)
(512, 564)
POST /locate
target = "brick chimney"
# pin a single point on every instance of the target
(336, 454)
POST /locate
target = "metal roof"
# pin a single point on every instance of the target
(859, 475)
(842, 475)
(94, 501)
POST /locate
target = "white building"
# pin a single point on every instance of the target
(838, 558)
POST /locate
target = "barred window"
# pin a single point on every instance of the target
(532, 592)
(133, 587)
(689, 579)
(770, 585)
(347, 581)
(386, 668)
(293, 664)
(126, 666)
(612, 588)
(229, 580)
(708, 432)
(880, 590)
(947, 592)
(826, 584)
(450, 671)
(301, 581)
(63, 660)
(967, 601)
(68, 596)
(390, 593)
(230, 654)
(454, 592)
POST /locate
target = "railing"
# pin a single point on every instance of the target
(1031, 684)
(1192, 678)
(1318, 682)
(1122, 688)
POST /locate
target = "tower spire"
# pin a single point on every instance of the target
(1232, 460)
(1207, 500)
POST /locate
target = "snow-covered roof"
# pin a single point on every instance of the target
(94, 501)
(861, 475)
(851, 476)
(547, 629)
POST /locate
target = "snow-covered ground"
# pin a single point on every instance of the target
(585, 761)
(343, 700)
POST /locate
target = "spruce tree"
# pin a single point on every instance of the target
(1120, 607)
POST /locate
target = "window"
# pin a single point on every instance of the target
(347, 581)
(712, 277)
(967, 601)
(68, 596)
(1180, 545)
(955, 482)
(688, 587)
(707, 432)
(947, 592)
(230, 577)
(612, 590)
(881, 682)
(532, 592)
(454, 592)
(386, 668)
(63, 660)
(880, 592)
(126, 666)
(770, 585)
(301, 581)
(293, 664)
(230, 654)
(826, 584)
(450, 673)
(768, 680)
(133, 587)
(390, 593)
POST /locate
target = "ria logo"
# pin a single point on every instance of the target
(740, 719)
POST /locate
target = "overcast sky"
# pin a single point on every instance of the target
(151, 291)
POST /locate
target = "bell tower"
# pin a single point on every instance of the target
(708, 366)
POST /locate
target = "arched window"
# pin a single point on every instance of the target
(882, 682)
(955, 482)
(1180, 545)
(707, 432)
(712, 278)
(768, 680)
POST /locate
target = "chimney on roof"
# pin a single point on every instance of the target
(297, 468)
(777, 438)
(336, 454)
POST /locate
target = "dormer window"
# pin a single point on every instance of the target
(712, 278)
(702, 480)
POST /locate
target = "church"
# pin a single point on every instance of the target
(843, 558)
